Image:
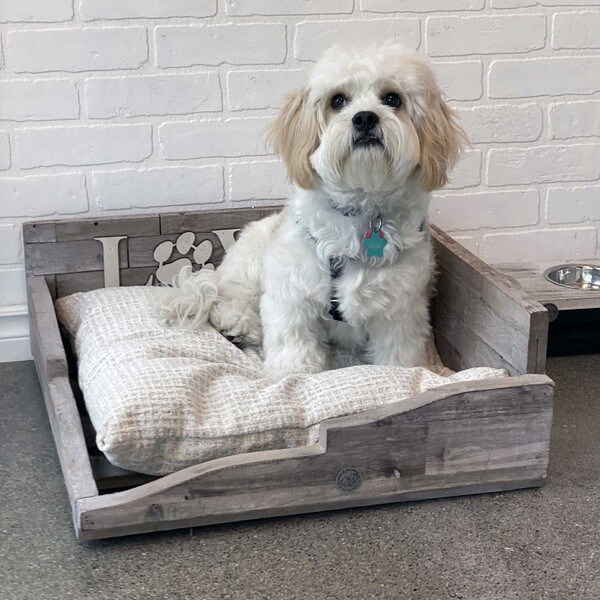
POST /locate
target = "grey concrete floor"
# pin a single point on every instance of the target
(529, 544)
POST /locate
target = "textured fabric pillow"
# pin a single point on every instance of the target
(163, 398)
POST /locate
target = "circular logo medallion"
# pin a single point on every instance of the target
(348, 479)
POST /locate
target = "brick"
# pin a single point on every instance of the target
(35, 196)
(460, 80)
(539, 246)
(38, 99)
(4, 151)
(248, 90)
(258, 180)
(11, 252)
(525, 3)
(312, 38)
(287, 7)
(38, 11)
(506, 208)
(544, 164)
(575, 119)
(458, 36)
(12, 284)
(179, 94)
(203, 139)
(544, 77)
(218, 44)
(168, 186)
(573, 204)
(392, 6)
(576, 30)
(503, 123)
(469, 242)
(76, 50)
(152, 9)
(82, 145)
(467, 172)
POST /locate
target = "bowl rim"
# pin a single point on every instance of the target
(571, 265)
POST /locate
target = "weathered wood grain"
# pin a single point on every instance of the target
(43, 231)
(109, 477)
(498, 333)
(498, 309)
(205, 221)
(87, 229)
(69, 283)
(469, 350)
(398, 459)
(51, 364)
(530, 278)
(51, 283)
(52, 258)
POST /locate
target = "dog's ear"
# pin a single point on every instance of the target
(442, 140)
(294, 136)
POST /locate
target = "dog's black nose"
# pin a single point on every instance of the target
(365, 120)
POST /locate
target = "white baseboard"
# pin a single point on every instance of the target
(14, 333)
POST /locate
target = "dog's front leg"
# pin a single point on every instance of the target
(294, 303)
(400, 340)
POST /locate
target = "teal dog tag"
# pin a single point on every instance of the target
(374, 242)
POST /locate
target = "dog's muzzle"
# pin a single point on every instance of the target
(366, 132)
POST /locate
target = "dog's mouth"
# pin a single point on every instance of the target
(367, 141)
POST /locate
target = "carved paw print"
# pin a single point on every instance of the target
(184, 244)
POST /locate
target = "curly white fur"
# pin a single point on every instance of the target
(275, 284)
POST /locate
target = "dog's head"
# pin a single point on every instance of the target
(368, 120)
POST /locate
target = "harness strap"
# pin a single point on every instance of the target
(336, 267)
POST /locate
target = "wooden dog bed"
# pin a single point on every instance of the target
(463, 438)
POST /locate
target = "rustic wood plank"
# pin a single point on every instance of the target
(43, 231)
(141, 249)
(292, 481)
(88, 229)
(469, 349)
(530, 278)
(68, 257)
(109, 477)
(51, 365)
(51, 283)
(205, 221)
(51, 358)
(499, 296)
(498, 333)
(70, 283)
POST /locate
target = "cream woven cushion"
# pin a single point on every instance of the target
(163, 398)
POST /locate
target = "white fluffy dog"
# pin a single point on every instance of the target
(349, 260)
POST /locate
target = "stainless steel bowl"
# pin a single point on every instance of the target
(580, 277)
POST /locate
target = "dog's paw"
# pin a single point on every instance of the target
(238, 321)
(286, 362)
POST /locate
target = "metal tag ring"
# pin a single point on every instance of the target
(377, 227)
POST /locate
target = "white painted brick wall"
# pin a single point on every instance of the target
(76, 50)
(574, 119)
(4, 151)
(82, 145)
(152, 95)
(135, 188)
(466, 35)
(128, 105)
(576, 30)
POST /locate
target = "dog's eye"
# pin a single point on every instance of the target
(338, 102)
(392, 100)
